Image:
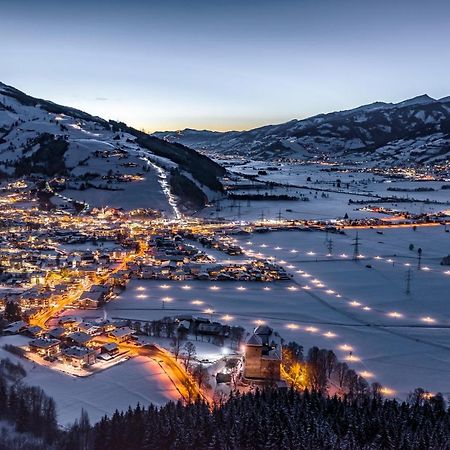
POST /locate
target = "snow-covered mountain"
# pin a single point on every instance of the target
(99, 162)
(415, 131)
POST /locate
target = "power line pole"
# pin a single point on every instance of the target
(419, 260)
(330, 246)
(279, 215)
(408, 281)
(356, 247)
(328, 243)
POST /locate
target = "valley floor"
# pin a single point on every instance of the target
(363, 313)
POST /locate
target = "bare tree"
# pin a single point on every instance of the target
(201, 375)
(189, 352)
(330, 362)
(317, 369)
(351, 383)
(341, 369)
(175, 346)
(232, 366)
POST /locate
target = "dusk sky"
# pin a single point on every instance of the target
(221, 65)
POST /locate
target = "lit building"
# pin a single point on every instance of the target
(263, 355)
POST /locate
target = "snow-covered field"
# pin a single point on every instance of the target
(138, 380)
(328, 193)
(401, 340)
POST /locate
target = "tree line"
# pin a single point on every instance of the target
(28, 408)
(272, 420)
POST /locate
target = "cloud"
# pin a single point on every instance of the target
(101, 99)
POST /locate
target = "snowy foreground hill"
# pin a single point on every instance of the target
(98, 162)
(385, 134)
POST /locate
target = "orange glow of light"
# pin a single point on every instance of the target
(387, 391)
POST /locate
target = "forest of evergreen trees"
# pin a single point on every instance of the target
(274, 419)
(265, 419)
(28, 409)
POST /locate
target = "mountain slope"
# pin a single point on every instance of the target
(100, 162)
(415, 131)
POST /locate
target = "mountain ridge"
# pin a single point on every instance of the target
(43, 139)
(416, 127)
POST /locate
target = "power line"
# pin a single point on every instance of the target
(408, 281)
(330, 246)
(356, 243)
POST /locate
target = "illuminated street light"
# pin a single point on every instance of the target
(346, 347)
(165, 300)
(367, 374)
(329, 334)
(428, 319)
(395, 314)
